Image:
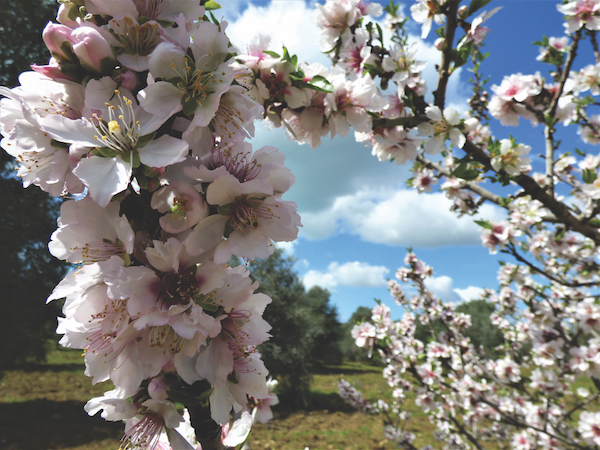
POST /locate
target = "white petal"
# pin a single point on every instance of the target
(104, 177)
(164, 151)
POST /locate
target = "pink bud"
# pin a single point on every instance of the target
(52, 70)
(157, 388)
(440, 44)
(55, 36)
(463, 11)
(128, 80)
(91, 48)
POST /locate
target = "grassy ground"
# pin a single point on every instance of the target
(41, 408)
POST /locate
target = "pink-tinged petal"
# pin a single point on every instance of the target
(177, 441)
(161, 98)
(137, 284)
(296, 97)
(206, 235)
(80, 131)
(246, 244)
(167, 61)
(252, 375)
(104, 177)
(164, 151)
(186, 368)
(225, 189)
(164, 256)
(239, 431)
(215, 363)
(434, 113)
(221, 402)
(108, 7)
(452, 116)
(152, 319)
(135, 62)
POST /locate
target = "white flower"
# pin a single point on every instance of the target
(511, 159)
(441, 128)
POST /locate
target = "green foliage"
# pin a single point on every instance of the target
(348, 347)
(483, 333)
(28, 273)
(327, 332)
(21, 25)
(305, 327)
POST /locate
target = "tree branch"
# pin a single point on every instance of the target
(208, 432)
(444, 73)
(559, 209)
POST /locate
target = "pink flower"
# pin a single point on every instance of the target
(581, 13)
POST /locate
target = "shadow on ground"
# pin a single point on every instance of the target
(327, 369)
(45, 425)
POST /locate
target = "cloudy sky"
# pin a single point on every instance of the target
(358, 215)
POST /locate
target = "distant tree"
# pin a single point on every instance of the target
(328, 331)
(362, 314)
(27, 271)
(288, 353)
(21, 23)
(305, 325)
(483, 333)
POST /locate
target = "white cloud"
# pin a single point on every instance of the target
(443, 287)
(396, 217)
(470, 293)
(358, 274)
(289, 23)
(287, 247)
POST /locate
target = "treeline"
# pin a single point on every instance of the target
(306, 328)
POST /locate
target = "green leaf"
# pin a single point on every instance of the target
(476, 5)
(326, 89)
(391, 9)
(145, 140)
(589, 176)
(594, 223)
(189, 104)
(135, 159)
(211, 5)
(270, 53)
(321, 83)
(104, 151)
(225, 210)
(484, 224)
(228, 229)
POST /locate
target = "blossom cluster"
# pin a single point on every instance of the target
(525, 399)
(140, 119)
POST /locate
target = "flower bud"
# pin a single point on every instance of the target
(157, 388)
(463, 11)
(127, 80)
(91, 48)
(440, 44)
(58, 39)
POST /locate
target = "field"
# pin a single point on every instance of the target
(41, 408)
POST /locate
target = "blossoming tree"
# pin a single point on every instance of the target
(529, 394)
(143, 117)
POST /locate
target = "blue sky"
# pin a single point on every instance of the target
(358, 215)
